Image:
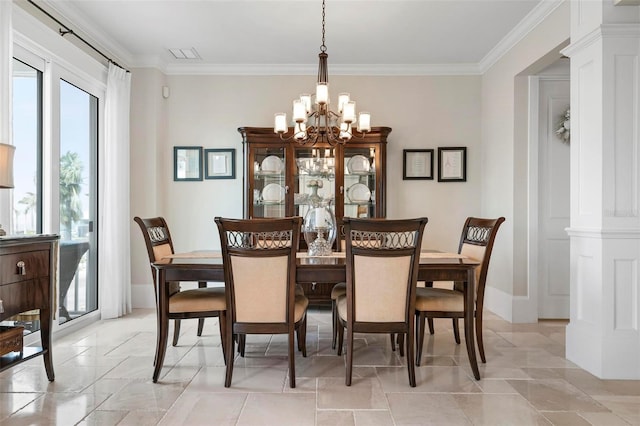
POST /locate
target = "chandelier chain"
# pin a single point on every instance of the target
(323, 48)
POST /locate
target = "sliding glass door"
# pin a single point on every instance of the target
(77, 197)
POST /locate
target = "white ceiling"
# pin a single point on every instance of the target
(262, 36)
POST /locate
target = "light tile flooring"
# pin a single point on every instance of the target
(103, 377)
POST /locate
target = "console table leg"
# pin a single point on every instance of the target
(45, 337)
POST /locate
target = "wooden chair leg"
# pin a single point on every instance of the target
(222, 321)
(292, 361)
(340, 337)
(334, 323)
(410, 359)
(479, 337)
(431, 330)
(420, 322)
(401, 343)
(230, 355)
(201, 284)
(176, 332)
(349, 356)
(393, 341)
(304, 336)
(242, 341)
(456, 330)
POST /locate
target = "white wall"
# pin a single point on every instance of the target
(505, 177)
(424, 112)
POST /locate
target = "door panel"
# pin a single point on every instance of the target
(553, 256)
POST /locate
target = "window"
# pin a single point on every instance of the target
(27, 137)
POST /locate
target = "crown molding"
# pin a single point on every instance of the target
(524, 27)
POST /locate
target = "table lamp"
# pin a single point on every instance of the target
(6, 169)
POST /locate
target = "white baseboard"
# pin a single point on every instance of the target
(515, 309)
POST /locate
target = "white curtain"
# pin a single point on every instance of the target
(6, 60)
(114, 265)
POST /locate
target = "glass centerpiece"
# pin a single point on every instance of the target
(319, 223)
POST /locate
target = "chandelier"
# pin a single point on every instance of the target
(314, 121)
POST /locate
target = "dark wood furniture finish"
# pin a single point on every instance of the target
(476, 241)
(250, 248)
(171, 302)
(27, 283)
(382, 259)
(328, 269)
(261, 142)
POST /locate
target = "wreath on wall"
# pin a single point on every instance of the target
(564, 127)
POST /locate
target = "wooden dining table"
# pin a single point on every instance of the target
(208, 266)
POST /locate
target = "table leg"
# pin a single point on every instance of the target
(469, 317)
(162, 310)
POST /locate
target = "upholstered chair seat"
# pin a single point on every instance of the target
(198, 300)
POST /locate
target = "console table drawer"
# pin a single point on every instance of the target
(16, 267)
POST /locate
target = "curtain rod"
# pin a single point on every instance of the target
(68, 30)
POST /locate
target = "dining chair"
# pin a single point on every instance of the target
(382, 260)
(476, 242)
(200, 303)
(339, 290)
(259, 257)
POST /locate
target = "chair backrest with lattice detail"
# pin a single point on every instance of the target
(157, 239)
(476, 242)
(382, 265)
(259, 262)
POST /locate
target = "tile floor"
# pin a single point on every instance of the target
(103, 377)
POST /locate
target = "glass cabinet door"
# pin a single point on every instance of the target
(359, 184)
(268, 186)
(314, 181)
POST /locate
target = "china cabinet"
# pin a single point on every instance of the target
(285, 178)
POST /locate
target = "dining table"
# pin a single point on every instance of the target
(207, 265)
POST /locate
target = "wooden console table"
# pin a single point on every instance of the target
(27, 272)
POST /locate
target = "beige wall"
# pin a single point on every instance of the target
(424, 112)
(505, 176)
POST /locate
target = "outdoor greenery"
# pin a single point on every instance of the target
(71, 168)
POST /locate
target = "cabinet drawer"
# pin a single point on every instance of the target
(36, 265)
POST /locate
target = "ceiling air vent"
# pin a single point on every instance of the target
(184, 53)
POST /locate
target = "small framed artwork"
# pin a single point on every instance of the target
(220, 163)
(452, 164)
(417, 164)
(187, 163)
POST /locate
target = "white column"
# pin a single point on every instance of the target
(603, 335)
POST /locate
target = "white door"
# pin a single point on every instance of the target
(553, 216)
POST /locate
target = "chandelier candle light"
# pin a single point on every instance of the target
(314, 121)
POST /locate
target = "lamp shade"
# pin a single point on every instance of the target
(6, 165)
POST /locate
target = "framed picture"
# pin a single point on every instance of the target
(452, 164)
(220, 163)
(417, 164)
(187, 163)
